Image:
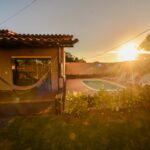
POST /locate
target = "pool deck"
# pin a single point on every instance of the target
(76, 85)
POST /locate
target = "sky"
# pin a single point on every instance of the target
(98, 24)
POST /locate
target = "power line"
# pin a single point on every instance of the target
(18, 12)
(119, 45)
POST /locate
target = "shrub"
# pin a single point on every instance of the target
(129, 98)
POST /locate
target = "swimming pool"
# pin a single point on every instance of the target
(99, 84)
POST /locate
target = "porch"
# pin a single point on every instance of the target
(31, 102)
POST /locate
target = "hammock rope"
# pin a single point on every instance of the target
(29, 87)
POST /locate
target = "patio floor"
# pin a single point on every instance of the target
(76, 85)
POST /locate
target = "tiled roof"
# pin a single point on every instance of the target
(11, 39)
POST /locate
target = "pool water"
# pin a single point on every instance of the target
(102, 85)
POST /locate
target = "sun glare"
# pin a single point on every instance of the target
(128, 52)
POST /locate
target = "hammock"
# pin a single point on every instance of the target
(29, 87)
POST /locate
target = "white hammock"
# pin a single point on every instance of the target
(29, 87)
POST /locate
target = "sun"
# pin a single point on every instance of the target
(128, 52)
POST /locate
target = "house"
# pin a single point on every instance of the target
(32, 66)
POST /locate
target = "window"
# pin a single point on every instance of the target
(29, 71)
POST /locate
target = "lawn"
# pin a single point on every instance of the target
(92, 128)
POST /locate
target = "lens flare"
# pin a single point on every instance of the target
(128, 52)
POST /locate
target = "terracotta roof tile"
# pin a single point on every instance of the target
(10, 38)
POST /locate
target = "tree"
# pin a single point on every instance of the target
(146, 44)
(71, 58)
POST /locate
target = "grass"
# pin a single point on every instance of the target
(126, 128)
(102, 130)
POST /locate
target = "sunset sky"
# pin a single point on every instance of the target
(98, 24)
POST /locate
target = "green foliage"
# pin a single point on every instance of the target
(76, 103)
(111, 121)
(66, 132)
(129, 99)
(71, 58)
(146, 43)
